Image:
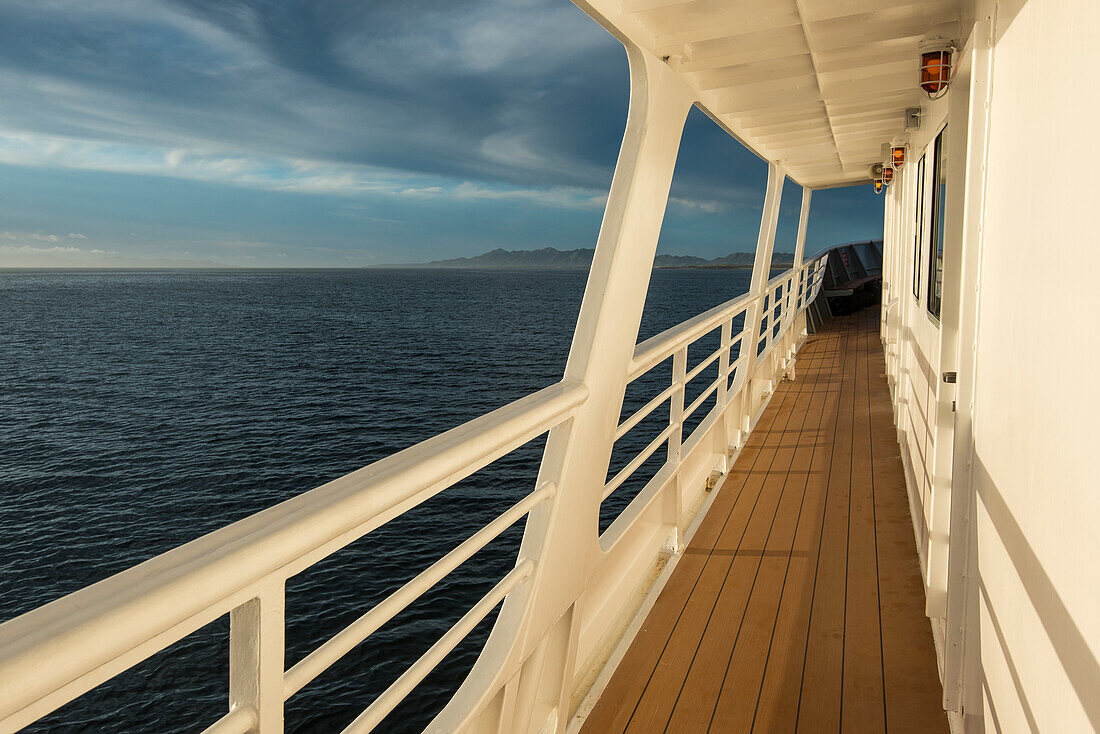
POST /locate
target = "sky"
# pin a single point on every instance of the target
(341, 133)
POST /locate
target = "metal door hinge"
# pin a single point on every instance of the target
(949, 377)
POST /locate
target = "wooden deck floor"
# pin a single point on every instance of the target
(798, 604)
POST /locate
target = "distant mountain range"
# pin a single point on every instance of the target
(548, 257)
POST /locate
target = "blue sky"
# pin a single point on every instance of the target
(339, 133)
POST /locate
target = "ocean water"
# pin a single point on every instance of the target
(140, 410)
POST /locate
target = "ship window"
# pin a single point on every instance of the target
(918, 232)
(939, 204)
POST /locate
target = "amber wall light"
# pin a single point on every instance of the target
(897, 155)
(936, 56)
(875, 172)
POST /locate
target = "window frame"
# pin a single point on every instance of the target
(937, 225)
(918, 234)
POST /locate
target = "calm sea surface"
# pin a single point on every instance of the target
(141, 410)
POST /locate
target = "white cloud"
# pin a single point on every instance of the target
(33, 237)
(558, 197)
(266, 173)
(29, 250)
(37, 243)
(484, 37)
(700, 205)
(270, 173)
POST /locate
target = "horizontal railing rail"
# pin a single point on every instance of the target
(656, 349)
(783, 296)
(53, 654)
(351, 636)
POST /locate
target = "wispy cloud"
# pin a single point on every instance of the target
(270, 173)
(37, 236)
(454, 89)
(29, 250)
(389, 126)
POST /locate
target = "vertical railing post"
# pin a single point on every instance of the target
(676, 405)
(672, 511)
(799, 254)
(724, 363)
(761, 267)
(722, 400)
(769, 316)
(562, 537)
(256, 658)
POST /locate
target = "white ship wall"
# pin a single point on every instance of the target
(1021, 626)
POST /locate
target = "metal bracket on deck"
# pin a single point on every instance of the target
(788, 368)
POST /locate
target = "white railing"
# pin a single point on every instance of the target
(63, 649)
(57, 652)
(784, 297)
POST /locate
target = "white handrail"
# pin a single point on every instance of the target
(699, 368)
(657, 349)
(644, 411)
(56, 652)
(637, 461)
(400, 688)
(676, 340)
(348, 638)
(703, 396)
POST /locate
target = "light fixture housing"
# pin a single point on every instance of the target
(887, 175)
(936, 58)
(876, 171)
(898, 153)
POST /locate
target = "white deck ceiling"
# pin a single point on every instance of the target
(818, 85)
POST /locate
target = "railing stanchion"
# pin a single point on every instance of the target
(799, 253)
(724, 362)
(769, 219)
(676, 405)
(256, 655)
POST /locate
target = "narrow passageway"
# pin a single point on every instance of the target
(798, 605)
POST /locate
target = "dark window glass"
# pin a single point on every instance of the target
(918, 235)
(939, 203)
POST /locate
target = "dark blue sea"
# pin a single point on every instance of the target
(140, 410)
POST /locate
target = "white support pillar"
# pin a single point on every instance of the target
(761, 270)
(799, 254)
(543, 620)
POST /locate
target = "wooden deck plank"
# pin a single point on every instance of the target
(862, 701)
(699, 691)
(798, 604)
(663, 689)
(776, 708)
(735, 712)
(616, 706)
(822, 673)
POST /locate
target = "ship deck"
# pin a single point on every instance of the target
(798, 605)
